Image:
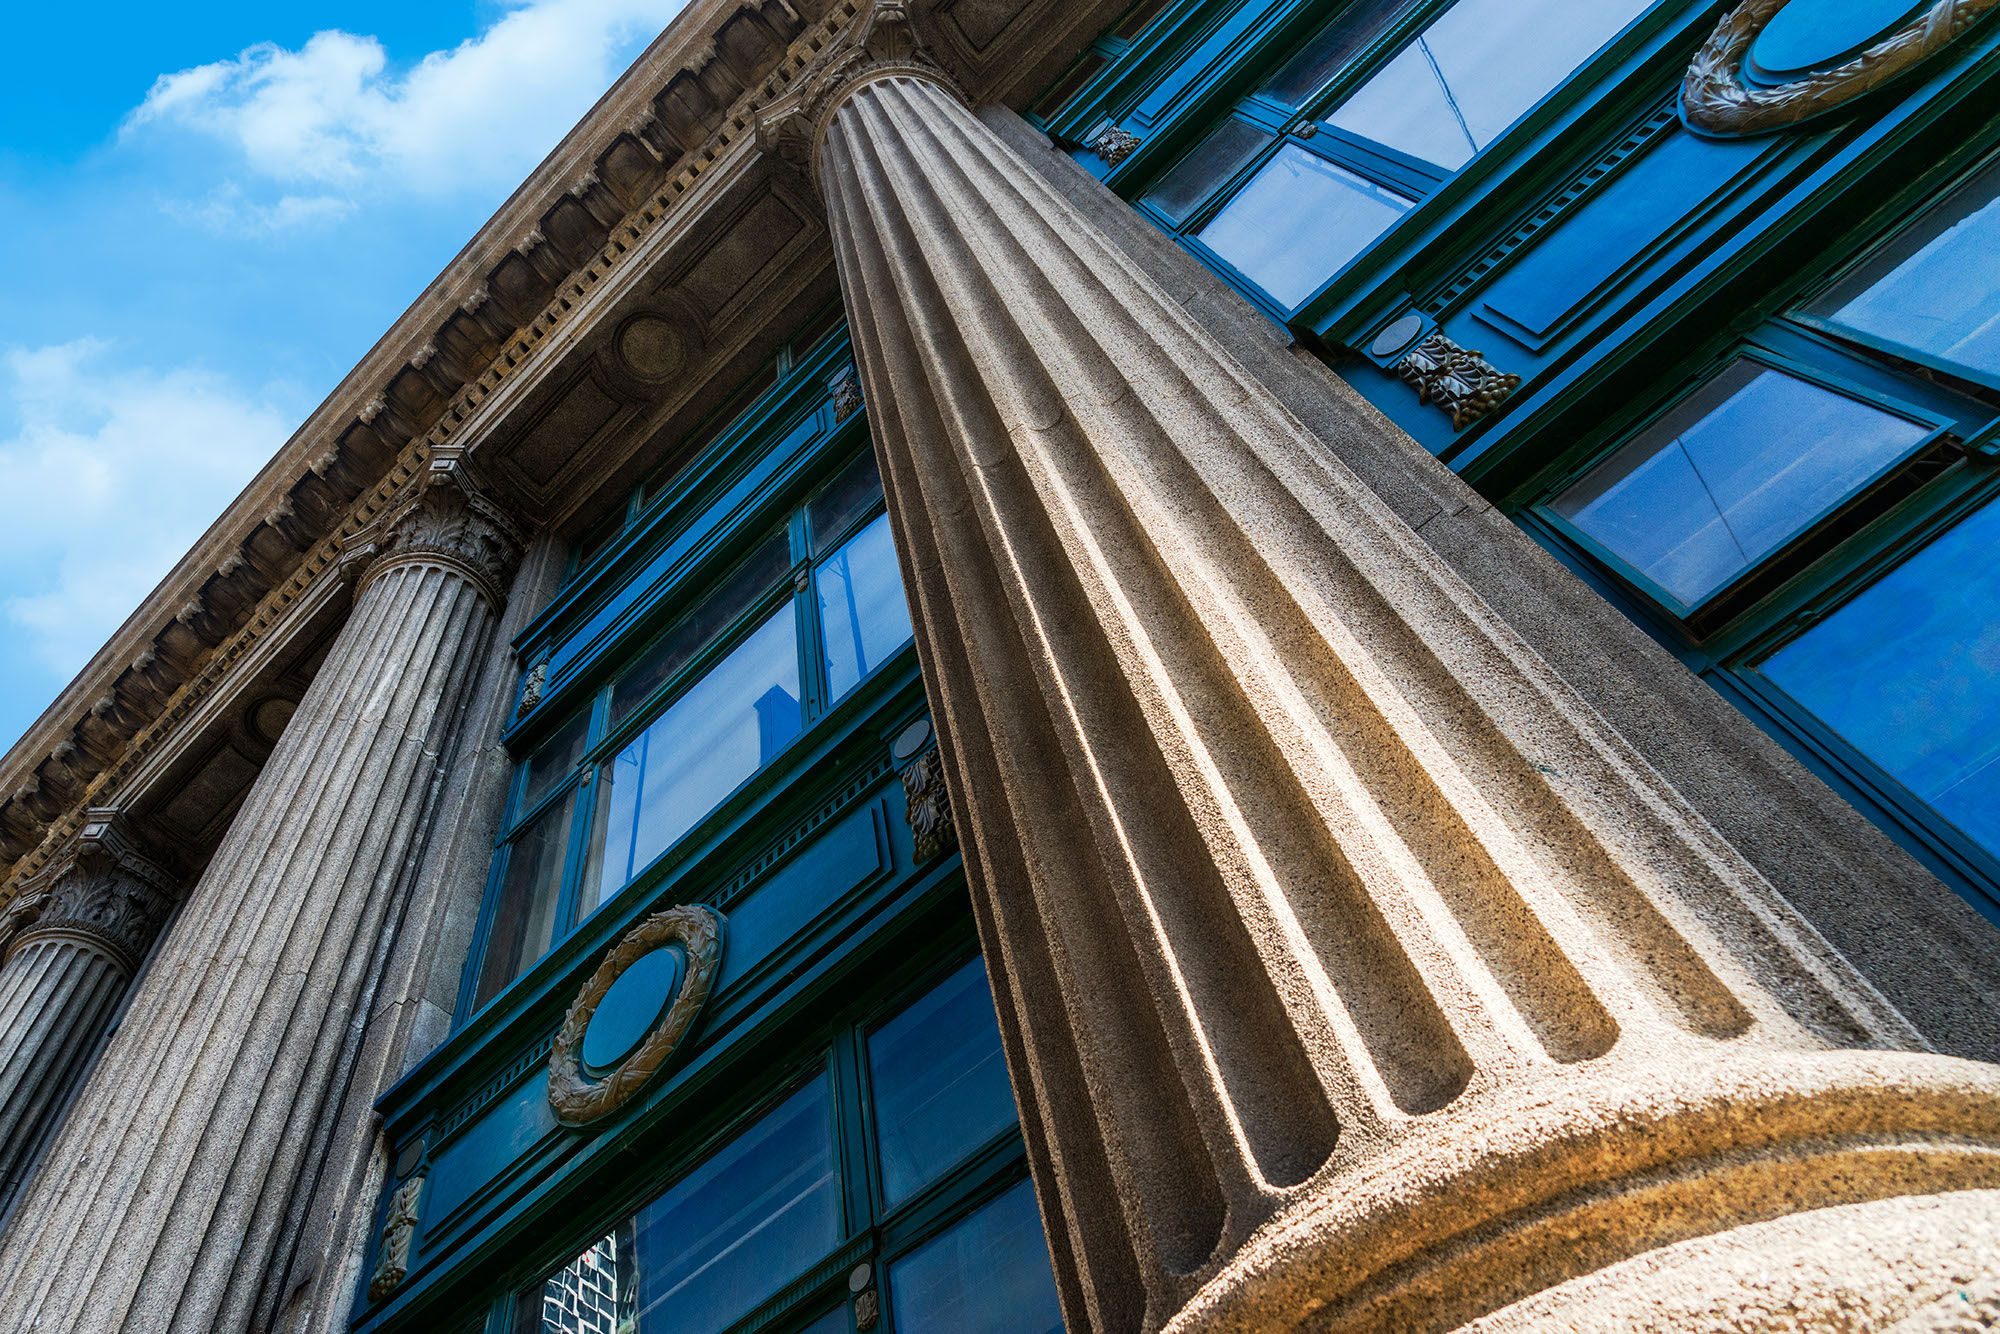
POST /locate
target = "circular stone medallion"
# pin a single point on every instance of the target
(652, 348)
(1807, 34)
(631, 1008)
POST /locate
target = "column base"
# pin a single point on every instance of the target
(1777, 1191)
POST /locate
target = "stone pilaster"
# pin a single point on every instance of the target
(162, 1200)
(1352, 969)
(73, 940)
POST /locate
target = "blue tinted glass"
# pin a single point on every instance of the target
(1731, 474)
(1475, 70)
(524, 915)
(863, 615)
(940, 1082)
(724, 1238)
(722, 729)
(1297, 221)
(833, 1322)
(1224, 153)
(1936, 289)
(1909, 672)
(554, 761)
(986, 1275)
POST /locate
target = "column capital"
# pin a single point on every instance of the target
(887, 39)
(447, 521)
(103, 889)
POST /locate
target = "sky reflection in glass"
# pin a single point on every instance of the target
(987, 1275)
(863, 615)
(940, 1082)
(1732, 474)
(1298, 221)
(1909, 672)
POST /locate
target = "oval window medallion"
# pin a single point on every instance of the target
(633, 1012)
(1760, 72)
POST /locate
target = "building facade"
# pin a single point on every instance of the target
(999, 665)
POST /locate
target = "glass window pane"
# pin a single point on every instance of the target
(554, 761)
(1936, 288)
(595, 542)
(1475, 70)
(1909, 672)
(1297, 221)
(1137, 19)
(1732, 474)
(940, 1082)
(1214, 161)
(722, 729)
(723, 1239)
(524, 918)
(698, 629)
(1327, 54)
(846, 498)
(863, 615)
(1058, 97)
(986, 1275)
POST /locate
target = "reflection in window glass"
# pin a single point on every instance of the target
(1909, 672)
(863, 615)
(1327, 54)
(524, 916)
(1214, 161)
(722, 729)
(1936, 289)
(553, 762)
(723, 1239)
(1730, 475)
(846, 498)
(698, 629)
(1298, 221)
(986, 1275)
(1475, 70)
(940, 1082)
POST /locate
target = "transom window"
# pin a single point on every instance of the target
(960, 1244)
(1361, 123)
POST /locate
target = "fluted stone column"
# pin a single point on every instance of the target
(73, 940)
(161, 1202)
(1353, 971)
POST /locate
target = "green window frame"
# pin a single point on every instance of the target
(767, 568)
(876, 1231)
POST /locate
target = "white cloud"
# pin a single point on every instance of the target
(110, 475)
(332, 120)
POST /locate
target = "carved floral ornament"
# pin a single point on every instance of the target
(449, 523)
(102, 891)
(1718, 98)
(1458, 381)
(579, 1098)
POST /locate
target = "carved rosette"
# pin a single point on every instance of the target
(1716, 98)
(1458, 380)
(102, 892)
(884, 41)
(448, 523)
(578, 1099)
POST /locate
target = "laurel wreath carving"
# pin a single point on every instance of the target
(578, 1099)
(1715, 99)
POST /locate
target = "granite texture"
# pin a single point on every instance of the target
(1353, 969)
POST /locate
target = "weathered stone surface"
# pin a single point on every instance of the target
(1353, 970)
(163, 1200)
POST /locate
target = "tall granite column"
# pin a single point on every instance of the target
(75, 937)
(1353, 971)
(161, 1201)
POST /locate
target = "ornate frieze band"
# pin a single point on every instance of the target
(1717, 98)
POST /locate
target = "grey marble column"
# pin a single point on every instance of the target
(73, 940)
(160, 1205)
(1353, 972)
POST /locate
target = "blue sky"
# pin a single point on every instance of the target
(207, 221)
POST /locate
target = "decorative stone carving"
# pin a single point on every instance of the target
(531, 689)
(1458, 380)
(847, 398)
(579, 1099)
(1717, 98)
(927, 806)
(102, 891)
(1114, 144)
(448, 523)
(392, 1260)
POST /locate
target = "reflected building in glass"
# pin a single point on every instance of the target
(1002, 667)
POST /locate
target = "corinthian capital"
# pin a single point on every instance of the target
(887, 39)
(450, 523)
(103, 891)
